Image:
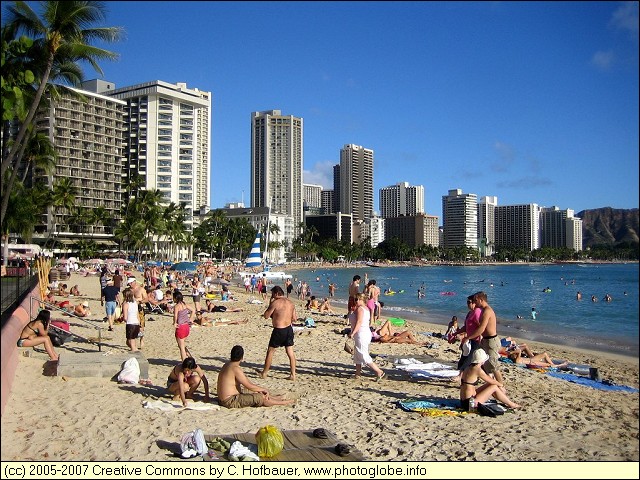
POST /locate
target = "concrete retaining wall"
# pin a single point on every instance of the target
(9, 351)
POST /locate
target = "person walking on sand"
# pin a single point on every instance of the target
(490, 342)
(282, 313)
(182, 320)
(130, 312)
(231, 381)
(361, 334)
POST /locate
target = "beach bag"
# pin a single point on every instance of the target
(130, 372)
(490, 409)
(270, 441)
(60, 333)
(349, 346)
(219, 308)
(193, 443)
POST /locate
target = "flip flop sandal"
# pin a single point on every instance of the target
(342, 449)
(319, 433)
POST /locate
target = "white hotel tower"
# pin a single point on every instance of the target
(401, 200)
(277, 163)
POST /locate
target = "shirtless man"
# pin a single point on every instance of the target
(139, 292)
(230, 380)
(282, 313)
(490, 342)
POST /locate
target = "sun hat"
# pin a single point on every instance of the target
(85, 304)
(479, 356)
(131, 280)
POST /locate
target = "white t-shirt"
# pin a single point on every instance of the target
(132, 313)
(159, 294)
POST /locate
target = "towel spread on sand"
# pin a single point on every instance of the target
(587, 382)
(445, 406)
(174, 406)
(431, 369)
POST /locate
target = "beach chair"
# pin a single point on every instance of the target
(151, 308)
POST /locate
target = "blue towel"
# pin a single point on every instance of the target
(592, 383)
(443, 403)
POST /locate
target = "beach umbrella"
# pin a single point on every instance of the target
(166, 264)
(203, 254)
(95, 261)
(185, 266)
(153, 263)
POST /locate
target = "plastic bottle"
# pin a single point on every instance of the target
(472, 404)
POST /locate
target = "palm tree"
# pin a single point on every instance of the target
(64, 196)
(63, 36)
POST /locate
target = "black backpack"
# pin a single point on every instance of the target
(491, 409)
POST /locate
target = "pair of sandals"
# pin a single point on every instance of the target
(340, 449)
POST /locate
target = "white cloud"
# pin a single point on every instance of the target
(506, 157)
(626, 18)
(320, 174)
(602, 60)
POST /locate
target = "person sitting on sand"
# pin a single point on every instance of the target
(36, 333)
(385, 334)
(231, 381)
(82, 309)
(508, 345)
(62, 291)
(452, 330)
(75, 291)
(312, 304)
(325, 307)
(184, 380)
(542, 360)
(491, 388)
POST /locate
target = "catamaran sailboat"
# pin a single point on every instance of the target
(254, 261)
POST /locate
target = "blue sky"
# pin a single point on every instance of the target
(530, 102)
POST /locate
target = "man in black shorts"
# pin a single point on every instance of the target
(282, 313)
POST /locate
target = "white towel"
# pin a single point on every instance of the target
(434, 373)
(425, 366)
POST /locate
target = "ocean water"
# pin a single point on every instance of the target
(512, 291)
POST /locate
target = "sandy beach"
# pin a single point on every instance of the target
(64, 418)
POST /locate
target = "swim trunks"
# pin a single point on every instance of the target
(132, 331)
(491, 345)
(183, 330)
(241, 400)
(281, 337)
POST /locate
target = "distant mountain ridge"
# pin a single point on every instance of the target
(610, 226)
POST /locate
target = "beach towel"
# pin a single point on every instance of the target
(587, 382)
(175, 406)
(426, 370)
(443, 407)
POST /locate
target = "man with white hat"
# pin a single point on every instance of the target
(139, 292)
(82, 309)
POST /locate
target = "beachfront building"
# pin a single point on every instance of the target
(486, 225)
(557, 228)
(415, 230)
(574, 233)
(312, 195)
(277, 163)
(87, 134)
(356, 181)
(370, 230)
(401, 199)
(517, 226)
(167, 141)
(336, 188)
(327, 200)
(460, 219)
(337, 226)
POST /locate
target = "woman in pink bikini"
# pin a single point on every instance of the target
(182, 320)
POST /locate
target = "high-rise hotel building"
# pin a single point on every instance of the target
(356, 182)
(486, 225)
(167, 140)
(560, 229)
(401, 200)
(277, 163)
(460, 219)
(517, 226)
(87, 136)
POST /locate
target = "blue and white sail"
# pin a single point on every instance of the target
(255, 258)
